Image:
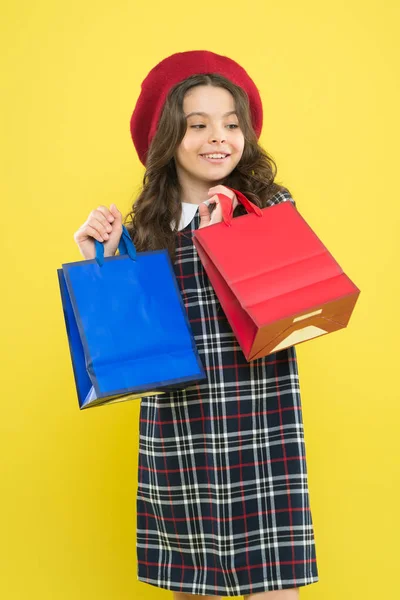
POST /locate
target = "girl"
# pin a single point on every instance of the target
(222, 503)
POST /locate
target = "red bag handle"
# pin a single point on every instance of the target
(227, 206)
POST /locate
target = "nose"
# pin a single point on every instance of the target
(217, 136)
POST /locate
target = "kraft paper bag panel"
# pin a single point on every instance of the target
(277, 283)
(127, 328)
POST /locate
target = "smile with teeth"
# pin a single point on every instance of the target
(214, 155)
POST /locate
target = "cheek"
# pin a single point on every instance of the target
(238, 143)
(187, 146)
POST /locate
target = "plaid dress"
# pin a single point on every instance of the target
(222, 499)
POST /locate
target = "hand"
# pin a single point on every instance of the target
(103, 225)
(216, 216)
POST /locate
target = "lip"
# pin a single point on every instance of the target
(215, 160)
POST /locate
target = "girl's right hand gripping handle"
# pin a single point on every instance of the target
(125, 246)
(227, 206)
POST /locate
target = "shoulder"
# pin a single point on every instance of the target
(283, 195)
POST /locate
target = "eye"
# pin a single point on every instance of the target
(197, 126)
(233, 126)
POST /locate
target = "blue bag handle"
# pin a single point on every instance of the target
(125, 246)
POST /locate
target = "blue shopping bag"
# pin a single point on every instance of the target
(127, 327)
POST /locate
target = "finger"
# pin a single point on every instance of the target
(228, 193)
(115, 212)
(216, 215)
(204, 215)
(212, 204)
(92, 232)
(98, 216)
(103, 230)
(103, 214)
(221, 189)
(107, 213)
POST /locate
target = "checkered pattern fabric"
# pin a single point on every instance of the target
(222, 500)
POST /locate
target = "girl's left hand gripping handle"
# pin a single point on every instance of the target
(227, 207)
(125, 246)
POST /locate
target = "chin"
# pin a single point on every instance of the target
(215, 179)
(217, 174)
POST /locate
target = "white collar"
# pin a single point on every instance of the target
(188, 212)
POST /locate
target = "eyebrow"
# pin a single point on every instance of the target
(203, 114)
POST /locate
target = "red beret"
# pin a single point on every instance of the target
(173, 70)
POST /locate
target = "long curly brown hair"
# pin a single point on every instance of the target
(159, 203)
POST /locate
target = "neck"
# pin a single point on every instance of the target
(194, 192)
(194, 196)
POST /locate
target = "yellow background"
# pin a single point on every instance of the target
(70, 76)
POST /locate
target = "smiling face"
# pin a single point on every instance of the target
(213, 143)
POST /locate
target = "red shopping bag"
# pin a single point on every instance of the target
(276, 281)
